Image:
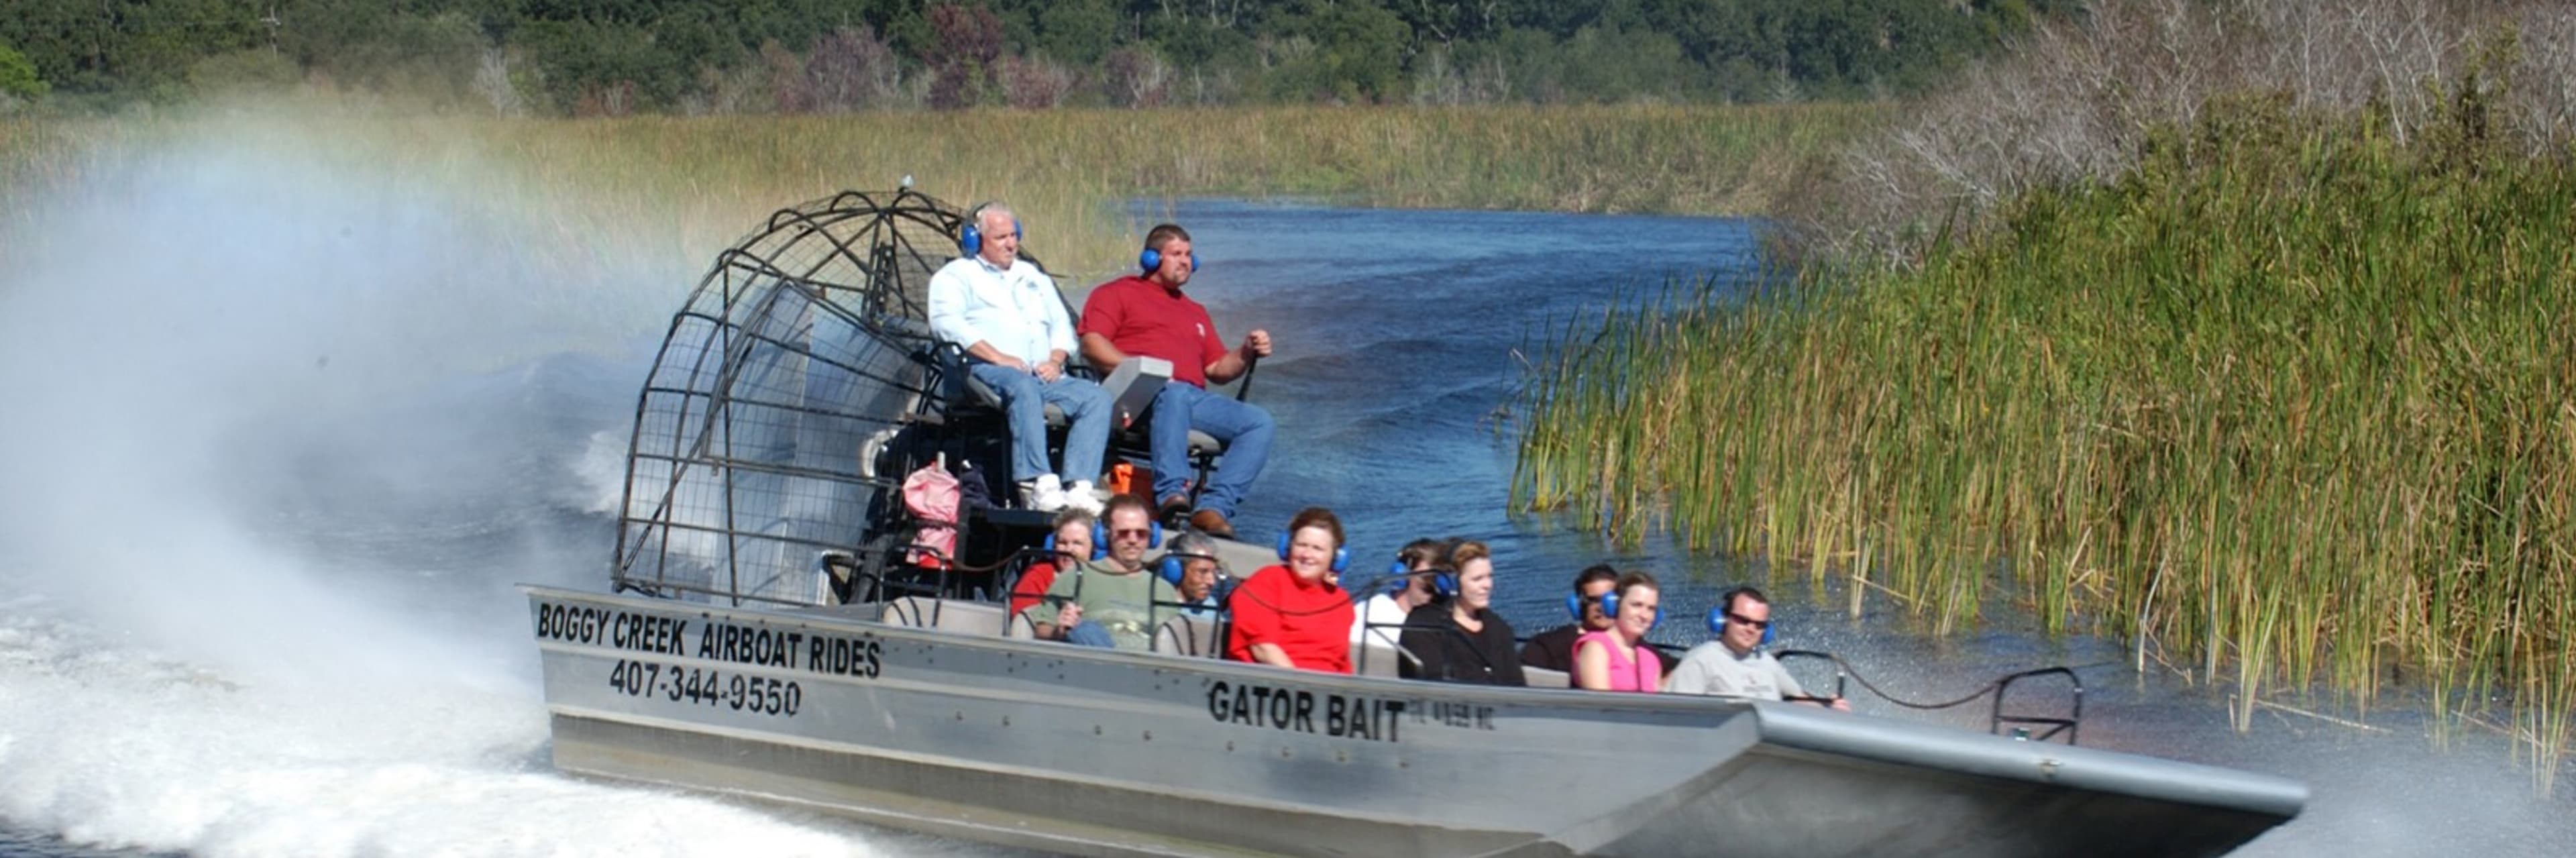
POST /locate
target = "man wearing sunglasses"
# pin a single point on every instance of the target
(1734, 665)
(1109, 602)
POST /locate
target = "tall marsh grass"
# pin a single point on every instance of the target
(2291, 404)
(687, 187)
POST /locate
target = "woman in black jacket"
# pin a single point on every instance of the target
(1458, 637)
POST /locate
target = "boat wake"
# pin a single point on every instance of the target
(122, 747)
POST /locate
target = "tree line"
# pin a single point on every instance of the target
(608, 57)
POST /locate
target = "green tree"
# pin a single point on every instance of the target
(1357, 54)
(18, 75)
(1080, 32)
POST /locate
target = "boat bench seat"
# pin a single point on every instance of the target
(956, 615)
(1375, 658)
(1187, 635)
(1540, 677)
(1201, 443)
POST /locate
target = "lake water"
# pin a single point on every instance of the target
(271, 480)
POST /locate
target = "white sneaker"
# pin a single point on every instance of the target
(1044, 494)
(1083, 497)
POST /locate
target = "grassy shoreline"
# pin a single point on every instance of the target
(687, 187)
(2292, 404)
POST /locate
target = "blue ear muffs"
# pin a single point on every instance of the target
(971, 239)
(1398, 577)
(1152, 260)
(1610, 608)
(1445, 584)
(1172, 569)
(1100, 538)
(1341, 556)
(1574, 606)
(1717, 618)
(1099, 549)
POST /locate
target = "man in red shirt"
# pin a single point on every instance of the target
(1146, 314)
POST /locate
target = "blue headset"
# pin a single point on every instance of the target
(1398, 577)
(1176, 565)
(1152, 259)
(1100, 538)
(1341, 556)
(1574, 606)
(1717, 617)
(1610, 608)
(971, 239)
(1445, 584)
(1099, 549)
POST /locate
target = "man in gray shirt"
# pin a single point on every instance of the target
(1734, 664)
(1109, 602)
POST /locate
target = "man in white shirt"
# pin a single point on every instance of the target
(1011, 321)
(1734, 664)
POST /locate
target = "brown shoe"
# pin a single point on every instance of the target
(1174, 509)
(1212, 523)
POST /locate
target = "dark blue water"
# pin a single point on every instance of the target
(1400, 337)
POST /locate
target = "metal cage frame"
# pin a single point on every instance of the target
(764, 435)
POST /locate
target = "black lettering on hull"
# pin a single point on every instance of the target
(1293, 710)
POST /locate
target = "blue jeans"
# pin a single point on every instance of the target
(1089, 634)
(1025, 399)
(1244, 428)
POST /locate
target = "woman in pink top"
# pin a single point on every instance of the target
(1619, 659)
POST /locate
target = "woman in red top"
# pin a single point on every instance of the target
(1289, 615)
(1072, 548)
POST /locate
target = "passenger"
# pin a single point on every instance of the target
(1288, 615)
(1192, 569)
(1068, 546)
(1110, 601)
(1459, 638)
(1554, 649)
(1619, 659)
(1147, 315)
(1383, 615)
(1010, 319)
(1734, 663)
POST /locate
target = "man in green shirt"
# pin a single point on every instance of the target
(1109, 602)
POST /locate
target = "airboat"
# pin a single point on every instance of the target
(774, 627)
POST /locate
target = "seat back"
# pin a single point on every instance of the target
(1370, 657)
(956, 615)
(1540, 677)
(1187, 635)
(1020, 626)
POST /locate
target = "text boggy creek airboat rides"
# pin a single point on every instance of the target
(787, 622)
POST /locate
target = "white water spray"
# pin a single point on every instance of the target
(210, 340)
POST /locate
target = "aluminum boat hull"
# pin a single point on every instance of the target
(1051, 746)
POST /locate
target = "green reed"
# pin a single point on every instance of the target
(2290, 403)
(686, 187)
